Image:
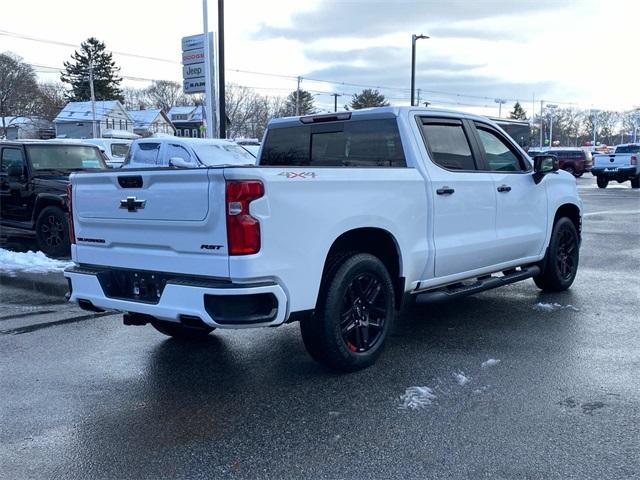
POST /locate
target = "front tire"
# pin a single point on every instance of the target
(354, 315)
(52, 232)
(560, 265)
(602, 182)
(177, 330)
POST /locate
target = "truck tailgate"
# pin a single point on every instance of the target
(612, 160)
(161, 220)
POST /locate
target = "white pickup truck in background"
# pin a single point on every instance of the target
(622, 165)
(345, 216)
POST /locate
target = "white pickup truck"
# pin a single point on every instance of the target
(346, 216)
(622, 165)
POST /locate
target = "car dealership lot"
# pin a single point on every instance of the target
(82, 396)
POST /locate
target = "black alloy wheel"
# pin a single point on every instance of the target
(364, 313)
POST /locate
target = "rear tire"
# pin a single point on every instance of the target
(560, 265)
(177, 330)
(354, 314)
(570, 170)
(602, 182)
(52, 232)
(635, 182)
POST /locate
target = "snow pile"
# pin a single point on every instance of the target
(490, 363)
(32, 262)
(416, 397)
(552, 307)
(461, 378)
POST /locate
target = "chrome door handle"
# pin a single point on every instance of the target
(445, 191)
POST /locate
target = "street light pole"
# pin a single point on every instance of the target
(414, 38)
(298, 97)
(594, 120)
(335, 101)
(552, 108)
(500, 102)
(221, 93)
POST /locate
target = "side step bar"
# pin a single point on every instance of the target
(480, 285)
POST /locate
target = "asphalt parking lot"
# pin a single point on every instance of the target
(82, 396)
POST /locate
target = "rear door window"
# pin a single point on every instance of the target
(354, 143)
(628, 149)
(448, 144)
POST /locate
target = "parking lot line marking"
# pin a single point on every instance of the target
(610, 212)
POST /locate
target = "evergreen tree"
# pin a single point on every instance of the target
(106, 81)
(518, 112)
(304, 100)
(368, 98)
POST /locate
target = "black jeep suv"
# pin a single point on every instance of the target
(33, 188)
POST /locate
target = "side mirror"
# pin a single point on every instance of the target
(15, 171)
(544, 164)
(179, 162)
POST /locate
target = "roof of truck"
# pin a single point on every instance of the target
(377, 112)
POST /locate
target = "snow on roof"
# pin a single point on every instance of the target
(74, 111)
(144, 118)
(193, 112)
(10, 121)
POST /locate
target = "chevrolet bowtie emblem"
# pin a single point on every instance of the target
(132, 204)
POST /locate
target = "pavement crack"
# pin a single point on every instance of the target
(40, 326)
(26, 314)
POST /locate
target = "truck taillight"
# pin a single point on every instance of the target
(634, 159)
(72, 232)
(243, 230)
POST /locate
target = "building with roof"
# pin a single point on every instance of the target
(151, 121)
(76, 118)
(188, 121)
(19, 128)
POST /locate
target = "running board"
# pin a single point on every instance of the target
(480, 285)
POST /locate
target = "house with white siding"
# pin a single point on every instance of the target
(76, 118)
(150, 121)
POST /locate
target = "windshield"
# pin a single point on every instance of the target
(628, 149)
(223, 154)
(119, 149)
(64, 157)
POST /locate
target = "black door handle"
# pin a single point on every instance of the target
(445, 191)
(504, 188)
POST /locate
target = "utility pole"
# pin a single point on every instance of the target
(414, 37)
(418, 102)
(500, 102)
(93, 101)
(335, 101)
(298, 97)
(222, 107)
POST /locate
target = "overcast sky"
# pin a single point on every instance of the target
(583, 52)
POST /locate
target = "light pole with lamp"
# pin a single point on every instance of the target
(551, 107)
(414, 37)
(594, 119)
(500, 102)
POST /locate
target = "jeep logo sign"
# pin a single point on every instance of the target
(193, 71)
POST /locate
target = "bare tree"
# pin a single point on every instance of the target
(51, 99)
(135, 98)
(18, 88)
(165, 94)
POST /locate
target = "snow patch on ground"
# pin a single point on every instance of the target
(32, 262)
(552, 307)
(490, 363)
(461, 378)
(415, 398)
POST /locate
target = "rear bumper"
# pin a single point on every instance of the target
(615, 172)
(217, 304)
